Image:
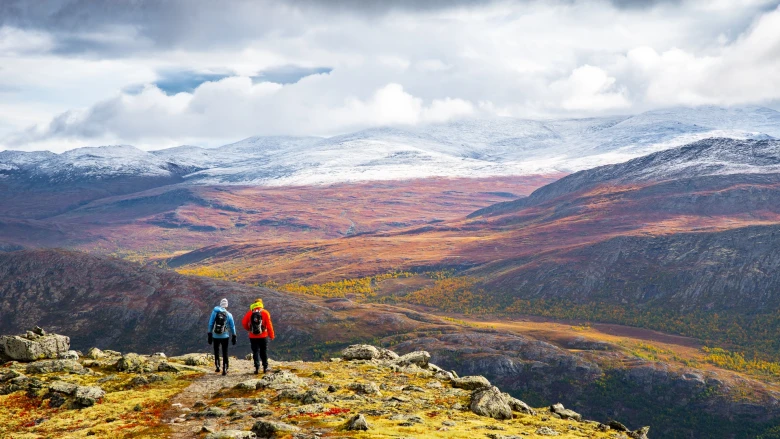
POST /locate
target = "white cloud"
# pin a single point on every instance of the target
(60, 87)
(589, 88)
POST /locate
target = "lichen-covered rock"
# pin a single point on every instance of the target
(94, 354)
(360, 352)
(269, 429)
(387, 354)
(196, 360)
(63, 387)
(473, 382)
(248, 385)
(50, 366)
(419, 358)
(489, 401)
(232, 434)
(639, 434)
(8, 376)
(315, 396)
(138, 381)
(368, 388)
(546, 431)
(617, 426)
(70, 355)
(565, 413)
(131, 363)
(87, 396)
(358, 423)
(519, 406)
(279, 377)
(38, 347)
(165, 366)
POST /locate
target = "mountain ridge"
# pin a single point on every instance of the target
(464, 148)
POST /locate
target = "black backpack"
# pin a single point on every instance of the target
(257, 327)
(220, 322)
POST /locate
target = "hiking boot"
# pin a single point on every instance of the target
(216, 370)
(224, 372)
(257, 370)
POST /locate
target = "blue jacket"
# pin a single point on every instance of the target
(230, 326)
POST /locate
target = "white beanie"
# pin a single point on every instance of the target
(223, 303)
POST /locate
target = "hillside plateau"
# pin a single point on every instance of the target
(129, 307)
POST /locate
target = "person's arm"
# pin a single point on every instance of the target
(245, 320)
(211, 325)
(232, 324)
(269, 325)
(211, 320)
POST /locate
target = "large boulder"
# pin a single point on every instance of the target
(519, 406)
(489, 401)
(419, 358)
(473, 382)
(565, 413)
(33, 346)
(360, 352)
(95, 354)
(63, 387)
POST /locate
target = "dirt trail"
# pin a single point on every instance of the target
(203, 389)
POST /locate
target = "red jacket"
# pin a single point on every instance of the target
(269, 327)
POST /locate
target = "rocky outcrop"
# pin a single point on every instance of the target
(560, 410)
(470, 382)
(34, 345)
(489, 401)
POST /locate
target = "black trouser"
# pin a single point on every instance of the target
(224, 343)
(259, 351)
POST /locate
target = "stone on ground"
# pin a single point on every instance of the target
(489, 401)
(131, 363)
(51, 366)
(63, 387)
(232, 434)
(639, 434)
(358, 423)
(547, 431)
(473, 382)
(360, 352)
(33, 346)
(419, 358)
(519, 406)
(87, 396)
(269, 429)
(565, 413)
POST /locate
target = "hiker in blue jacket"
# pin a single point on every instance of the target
(221, 328)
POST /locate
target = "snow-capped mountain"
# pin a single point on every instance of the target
(466, 148)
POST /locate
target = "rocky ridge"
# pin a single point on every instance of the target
(367, 392)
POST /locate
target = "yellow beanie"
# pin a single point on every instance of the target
(258, 304)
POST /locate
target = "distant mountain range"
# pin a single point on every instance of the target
(467, 148)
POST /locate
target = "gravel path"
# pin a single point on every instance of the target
(202, 389)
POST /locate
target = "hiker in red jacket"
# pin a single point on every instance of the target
(258, 322)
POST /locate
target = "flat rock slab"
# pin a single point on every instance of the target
(36, 347)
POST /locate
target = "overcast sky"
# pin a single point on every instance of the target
(206, 72)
